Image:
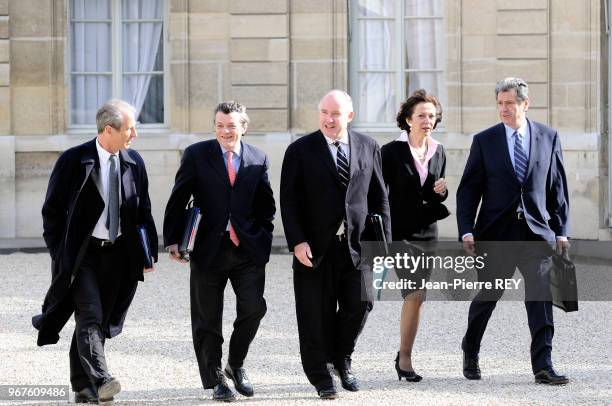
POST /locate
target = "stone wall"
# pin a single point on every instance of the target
(279, 57)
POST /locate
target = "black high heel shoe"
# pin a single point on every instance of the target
(410, 376)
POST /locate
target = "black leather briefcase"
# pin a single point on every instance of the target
(374, 231)
(563, 286)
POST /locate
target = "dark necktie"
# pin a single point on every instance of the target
(112, 219)
(342, 165)
(343, 174)
(520, 158)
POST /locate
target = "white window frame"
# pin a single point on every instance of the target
(116, 28)
(400, 70)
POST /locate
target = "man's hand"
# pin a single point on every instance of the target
(440, 186)
(468, 245)
(175, 255)
(152, 268)
(562, 247)
(303, 254)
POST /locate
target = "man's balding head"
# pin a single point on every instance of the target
(335, 112)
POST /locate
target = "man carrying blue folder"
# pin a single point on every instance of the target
(228, 180)
(96, 211)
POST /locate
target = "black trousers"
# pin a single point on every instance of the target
(530, 255)
(98, 286)
(332, 304)
(206, 292)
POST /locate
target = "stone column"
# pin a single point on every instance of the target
(7, 141)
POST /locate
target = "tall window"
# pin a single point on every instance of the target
(396, 47)
(116, 50)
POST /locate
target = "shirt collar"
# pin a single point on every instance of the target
(103, 154)
(523, 130)
(343, 140)
(432, 144)
(236, 151)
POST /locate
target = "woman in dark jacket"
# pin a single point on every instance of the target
(413, 169)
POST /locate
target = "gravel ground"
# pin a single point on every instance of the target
(153, 358)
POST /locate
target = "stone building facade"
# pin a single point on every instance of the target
(279, 57)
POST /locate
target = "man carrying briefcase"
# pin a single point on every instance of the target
(228, 180)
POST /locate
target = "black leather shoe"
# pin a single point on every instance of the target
(223, 393)
(241, 380)
(328, 392)
(471, 370)
(86, 395)
(548, 376)
(349, 381)
(107, 391)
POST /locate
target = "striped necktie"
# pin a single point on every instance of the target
(520, 158)
(342, 165)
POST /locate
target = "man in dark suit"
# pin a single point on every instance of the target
(515, 172)
(228, 180)
(331, 179)
(96, 200)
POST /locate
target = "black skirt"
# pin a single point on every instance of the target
(414, 279)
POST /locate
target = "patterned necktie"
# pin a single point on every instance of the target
(343, 173)
(342, 165)
(112, 219)
(231, 171)
(520, 158)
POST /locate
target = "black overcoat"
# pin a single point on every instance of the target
(72, 207)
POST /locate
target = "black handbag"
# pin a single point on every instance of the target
(563, 286)
(433, 212)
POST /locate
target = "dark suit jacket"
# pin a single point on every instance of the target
(70, 212)
(249, 204)
(410, 216)
(313, 203)
(489, 179)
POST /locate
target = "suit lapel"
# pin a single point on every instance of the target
(128, 185)
(533, 142)
(215, 157)
(95, 176)
(91, 166)
(356, 152)
(432, 166)
(322, 151)
(405, 156)
(245, 161)
(504, 150)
